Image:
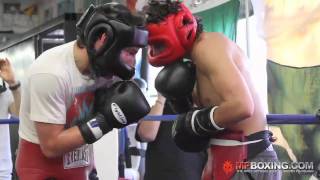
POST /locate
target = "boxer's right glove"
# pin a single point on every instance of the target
(176, 82)
(116, 107)
(192, 130)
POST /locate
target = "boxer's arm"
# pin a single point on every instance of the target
(48, 112)
(117, 106)
(55, 140)
(7, 74)
(15, 106)
(148, 130)
(216, 60)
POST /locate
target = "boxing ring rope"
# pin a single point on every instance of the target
(10, 120)
(271, 118)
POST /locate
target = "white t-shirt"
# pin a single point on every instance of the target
(6, 100)
(54, 91)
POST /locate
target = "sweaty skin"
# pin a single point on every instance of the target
(223, 79)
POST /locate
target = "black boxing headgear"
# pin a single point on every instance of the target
(121, 29)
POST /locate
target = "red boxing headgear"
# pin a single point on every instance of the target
(170, 39)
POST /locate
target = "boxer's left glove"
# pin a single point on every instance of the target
(192, 130)
(176, 82)
(116, 107)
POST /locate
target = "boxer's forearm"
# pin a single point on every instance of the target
(148, 130)
(15, 106)
(232, 112)
(55, 140)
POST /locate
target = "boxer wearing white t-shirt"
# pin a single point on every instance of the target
(62, 111)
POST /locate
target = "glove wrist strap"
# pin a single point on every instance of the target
(94, 128)
(212, 120)
(202, 122)
(91, 130)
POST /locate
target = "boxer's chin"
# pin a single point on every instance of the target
(128, 56)
(129, 61)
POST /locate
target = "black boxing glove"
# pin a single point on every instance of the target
(176, 83)
(116, 107)
(192, 130)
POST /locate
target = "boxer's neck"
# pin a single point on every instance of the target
(81, 59)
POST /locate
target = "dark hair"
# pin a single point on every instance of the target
(157, 11)
(199, 26)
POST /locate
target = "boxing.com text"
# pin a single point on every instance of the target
(306, 167)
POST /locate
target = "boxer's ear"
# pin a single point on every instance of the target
(101, 40)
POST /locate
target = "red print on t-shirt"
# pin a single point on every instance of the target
(81, 108)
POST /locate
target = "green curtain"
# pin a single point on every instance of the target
(222, 18)
(293, 90)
